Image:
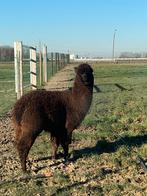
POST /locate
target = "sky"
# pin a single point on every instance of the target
(84, 27)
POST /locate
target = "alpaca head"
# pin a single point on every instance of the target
(85, 72)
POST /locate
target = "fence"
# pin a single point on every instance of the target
(33, 68)
(7, 87)
(42, 65)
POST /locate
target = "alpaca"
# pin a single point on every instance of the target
(57, 112)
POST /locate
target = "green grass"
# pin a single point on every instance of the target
(7, 87)
(106, 146)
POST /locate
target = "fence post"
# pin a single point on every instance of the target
(56, 61)
(64, 62)
(40, 67)
(52, 62)
(33, 73)
(60, 61)
(68, 58)
(18, 69)
(45, 63)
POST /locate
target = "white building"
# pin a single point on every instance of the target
(72, 57)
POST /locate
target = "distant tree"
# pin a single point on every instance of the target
(145, 55)
(137, 55)
(6, 53)
(130, 55)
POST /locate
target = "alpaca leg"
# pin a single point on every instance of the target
(20, 145)
(55, 145)
(22, 156)
(65, 148)
(23, 146)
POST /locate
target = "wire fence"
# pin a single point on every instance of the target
(46, 65)
(7, 86)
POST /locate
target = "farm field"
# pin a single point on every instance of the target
(104, 149)
(7, 87)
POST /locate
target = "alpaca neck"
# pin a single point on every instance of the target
(79, 104)
(82, 95)
(80, 89)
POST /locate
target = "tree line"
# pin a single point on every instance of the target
(132, 55)
(6, 53)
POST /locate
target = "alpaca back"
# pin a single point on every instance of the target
(49, 104)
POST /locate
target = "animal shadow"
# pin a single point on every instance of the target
(122, 88)
(98, 90)
(104, 146)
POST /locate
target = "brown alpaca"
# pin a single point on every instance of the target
(58, 112)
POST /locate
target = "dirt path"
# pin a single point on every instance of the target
(62, 80)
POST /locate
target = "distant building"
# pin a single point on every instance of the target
(72, 56)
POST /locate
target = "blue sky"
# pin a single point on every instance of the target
(79, 26)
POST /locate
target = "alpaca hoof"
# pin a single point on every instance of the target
(67, 157)
(54, 158)
(26, 172)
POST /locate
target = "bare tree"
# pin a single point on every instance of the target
(130, 55)
(6, 53)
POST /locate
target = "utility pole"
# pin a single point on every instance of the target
(40, 63)
(113, 49)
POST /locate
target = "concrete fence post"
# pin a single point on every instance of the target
(52, 62)
(33, 72)
(45, 78)
(18, 68)
(40, 67)
(56, 61)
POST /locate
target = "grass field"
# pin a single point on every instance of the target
(7, 87)
(105, 147)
